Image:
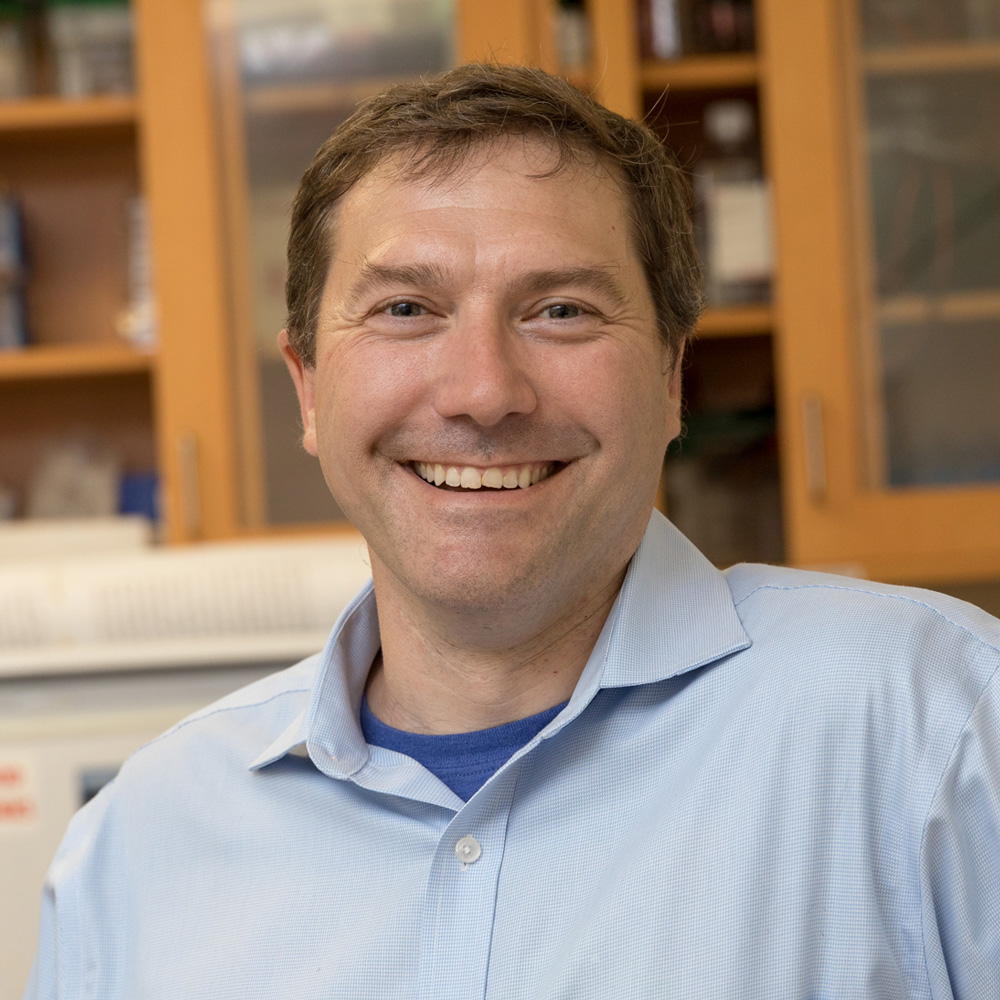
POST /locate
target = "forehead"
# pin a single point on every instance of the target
(508, 192)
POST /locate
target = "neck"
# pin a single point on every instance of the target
(431, 678)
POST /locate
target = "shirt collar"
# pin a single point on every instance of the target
(674, 613)
(328, 729)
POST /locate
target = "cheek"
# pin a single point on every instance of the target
(625, 393)
(362, 394)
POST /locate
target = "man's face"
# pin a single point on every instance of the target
(496, 326)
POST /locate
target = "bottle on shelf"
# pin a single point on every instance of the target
(732, 207)
(15, 50)
(721, 26)
(136, 323)
(661, 30)
(13, 324)
(672, 28)
(572, 35)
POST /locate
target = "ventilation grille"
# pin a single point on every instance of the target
(206, 593)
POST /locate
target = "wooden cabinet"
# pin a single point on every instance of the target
(72, 167)
(75, 164)
(848, 500)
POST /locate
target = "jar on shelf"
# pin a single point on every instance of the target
(91, 43)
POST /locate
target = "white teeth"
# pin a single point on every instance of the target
(471, 480)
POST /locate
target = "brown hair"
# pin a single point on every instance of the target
(440, 120)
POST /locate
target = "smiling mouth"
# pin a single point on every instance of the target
(470, 477)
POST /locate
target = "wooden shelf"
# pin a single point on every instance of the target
(953, 307)
(737, 321)
(740, 69)
(933, 58)
(39, 113)
(70, 360)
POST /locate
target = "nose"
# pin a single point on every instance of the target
(482, 372)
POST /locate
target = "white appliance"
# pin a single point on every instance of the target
(98, 655)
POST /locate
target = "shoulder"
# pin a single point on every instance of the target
(265, 702)
(213, 746)
(231, 731)
(858, 608)
(910, 661)
(894, 679)
(200, 763)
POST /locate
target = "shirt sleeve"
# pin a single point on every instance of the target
(59, 971)
(960, 862)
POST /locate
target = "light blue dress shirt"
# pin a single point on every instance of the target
(767, 784)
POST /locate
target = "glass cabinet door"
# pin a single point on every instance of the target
(287, 73)
(885, 157)
(927, 88)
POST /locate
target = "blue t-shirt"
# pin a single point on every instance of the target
(463, 761)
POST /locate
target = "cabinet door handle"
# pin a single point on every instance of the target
(815, 449)
(190, 491)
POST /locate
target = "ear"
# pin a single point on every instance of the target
(303, 377)
(674, 394)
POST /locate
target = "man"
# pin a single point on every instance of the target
(552, 752)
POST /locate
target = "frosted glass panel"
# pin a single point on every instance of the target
(910, 22)
(942, 402)
(935, 178)
(342, 40)
(930, 132)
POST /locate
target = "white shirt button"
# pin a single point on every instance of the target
(468, 850)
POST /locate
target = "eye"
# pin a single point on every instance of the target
(562, 310)
(405, 310)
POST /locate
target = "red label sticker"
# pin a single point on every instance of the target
(18, 793)
(15, 809)
(11, 774)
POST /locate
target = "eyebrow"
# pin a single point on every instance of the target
(372, 276)
(600, 278)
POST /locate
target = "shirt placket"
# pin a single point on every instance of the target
(461, 896)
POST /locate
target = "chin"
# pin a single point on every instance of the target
(476, 589)
(481, 591)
